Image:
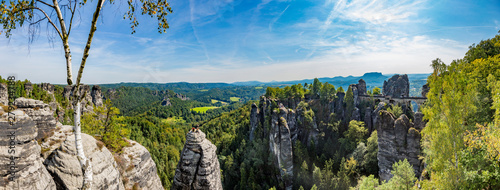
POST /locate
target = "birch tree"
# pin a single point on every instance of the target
(59, 16)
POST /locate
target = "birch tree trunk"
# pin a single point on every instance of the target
(84, 162)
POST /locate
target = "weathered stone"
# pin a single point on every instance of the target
(47, 87)
(398, 139)
(96, 95)
(67, 172)
(354, 88)
(254, 120)
(166, 102)
(40, 113)
(28, 87)
(397, 86)
(56, 139)
(361, 87)
(368, 119)
(4, 94)
(356, 115)
(425, 90)
(138, 168)
(280, 145)
(198, 166)
(20, 154)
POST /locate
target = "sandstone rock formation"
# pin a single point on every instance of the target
(28, 87)
(254, 120)
(47, 87)
(398, 139)
(166, 102)
(198, 166)
(4, 94)
(96, 95)
(40, 113)
(27, 163)
(66, 170)
(397, 86)
(425, 90)
(138, 169)
(362, 87)
(280, 145)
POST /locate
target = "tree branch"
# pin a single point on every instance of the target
(89, 40)
(46, 16)
(49, 5)
(72, 15)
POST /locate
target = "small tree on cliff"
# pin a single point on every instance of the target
(15, 14)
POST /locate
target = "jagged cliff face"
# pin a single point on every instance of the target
(4, 94)
(41, 114)
(198, 166)
(20, 154)
(398, 139)
(280, 144)
(138, 169)
(66, 170)
(397, 86)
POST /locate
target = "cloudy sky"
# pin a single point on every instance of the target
(263, 40)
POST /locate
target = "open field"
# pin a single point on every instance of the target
(173, 120)
(235, 99)
(203, 109)
(259, 87)
(215, 101)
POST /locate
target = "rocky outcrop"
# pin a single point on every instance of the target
(198, 166)
(166, 102)
(96, 95)
(87, 101)
(280, 145)
(56, 139)
(425, 90)
(398, 139)
(40, 113)
(138, 169)
(397, 86)
(47, 87)
(181, 96)
(368, 119)
(20, 154)
(361, 87)
(4, 94)
(66, 170)
(28, 87)
(254, 120)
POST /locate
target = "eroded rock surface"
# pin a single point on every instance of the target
(280, 145)
(66, 170)
(198, 166)
(41, 114)
(4, 94)
(27, 165)
(138, 169)
(397, 86)
(398, 139)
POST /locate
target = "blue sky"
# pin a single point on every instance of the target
(263, 40)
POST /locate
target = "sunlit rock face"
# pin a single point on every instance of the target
(19, 145)
(398, 139)
(397, 86)
(198, 166)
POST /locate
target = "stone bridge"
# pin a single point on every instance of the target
(395, 100)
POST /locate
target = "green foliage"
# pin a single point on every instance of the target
(349, 103)
(403, 176)
(366, 183)
(316, 87)
(395, 110)
(355, 133)
(370, 162)
(461, 101)
(327, 92)
(377, 91)
(105, 124)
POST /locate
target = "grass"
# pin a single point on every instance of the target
(259, 87)
(173, 120)
(204, 90)
(215, 101)
(234, 99)
(203, 109)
